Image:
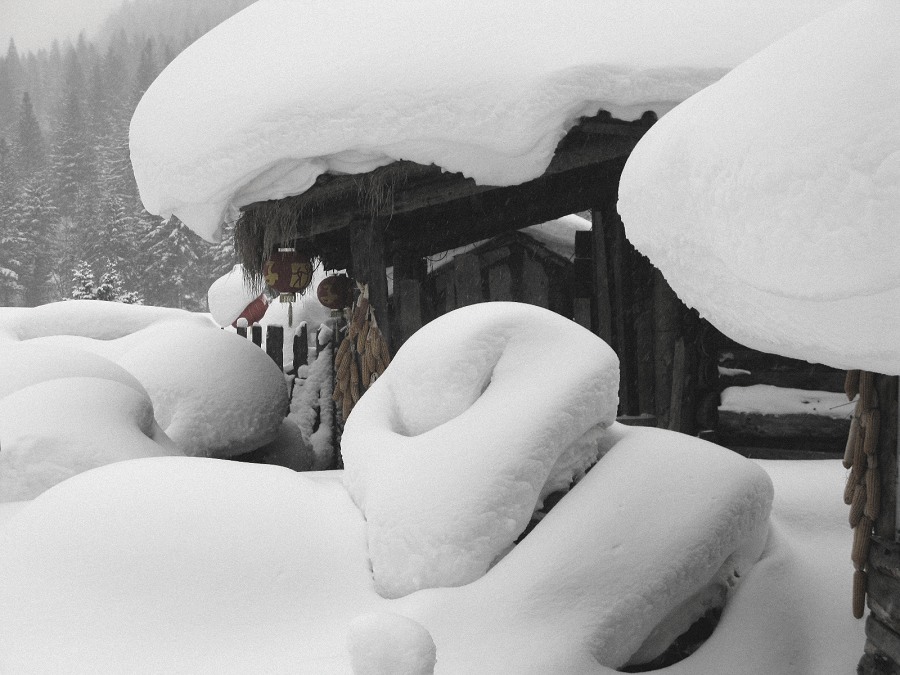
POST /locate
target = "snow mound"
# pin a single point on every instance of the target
(769, 200)
(213, 393)
(183, 565)
(485, 88)
(662, 529)
(216, 394)
(493, 406)
(58, 428)
(385, 643)
(88, 318)
(188, 565)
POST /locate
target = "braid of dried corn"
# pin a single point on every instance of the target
(366, 370)
(873, 494)
(863, 490)
(852, 439)
(859, 594)
(858, 505)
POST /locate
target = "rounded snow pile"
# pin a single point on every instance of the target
(84, 383)
(769, 200)
(482, 413)
(66, 411)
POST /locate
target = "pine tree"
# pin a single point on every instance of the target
(110, 287)
(30, 150)
(36, 220)
(83, 282)
(11, 242)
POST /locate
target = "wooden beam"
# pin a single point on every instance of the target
(333, 203)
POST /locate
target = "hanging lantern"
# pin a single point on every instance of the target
(254, 312)
(336, 291)
(289, 272)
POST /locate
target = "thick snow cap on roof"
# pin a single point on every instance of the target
(289, 89)
(770, 200)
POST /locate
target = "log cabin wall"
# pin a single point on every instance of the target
(509, 268)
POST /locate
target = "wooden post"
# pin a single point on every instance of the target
(467, 279)
(242, 327)
(600, 278)
(583, 302)
(409, 274)
(275, 344)
(301, 346)
(666, 320)
(256, 332)
(623, 320)
(367, 251)
(535, 283)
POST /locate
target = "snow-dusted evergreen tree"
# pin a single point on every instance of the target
(109, 287)
(37, 220)
(83, 282)
(172, 265)
(30, 146)
(10, 238)
(73, 157)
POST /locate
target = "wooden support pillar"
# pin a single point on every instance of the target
(623, 311)
(409, 275)
(467, 279)
(602, 321)
(367, 252)
(535, 287)
(666, 323)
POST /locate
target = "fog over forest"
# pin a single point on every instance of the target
(71, 220)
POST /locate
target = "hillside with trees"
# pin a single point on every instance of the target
(70, 214)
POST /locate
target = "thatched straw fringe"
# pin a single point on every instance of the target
(265, 225)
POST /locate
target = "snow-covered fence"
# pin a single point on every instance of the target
(311, 381)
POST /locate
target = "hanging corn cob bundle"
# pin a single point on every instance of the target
(362, 355)
(863, 491)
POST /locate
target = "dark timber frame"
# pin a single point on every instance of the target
(401, 213)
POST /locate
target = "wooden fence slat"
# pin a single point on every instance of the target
(275, 344)
(301, 347)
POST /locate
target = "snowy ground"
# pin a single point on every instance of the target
(192, 564)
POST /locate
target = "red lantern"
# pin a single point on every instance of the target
(253, 312)
(288, 271)
(335, 292)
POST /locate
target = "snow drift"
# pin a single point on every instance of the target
(84, 383)
(495, 405)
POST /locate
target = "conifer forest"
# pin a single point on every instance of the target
(71, 220)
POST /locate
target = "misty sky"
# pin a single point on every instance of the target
(34, 23)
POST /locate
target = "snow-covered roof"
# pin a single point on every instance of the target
(289, 89)
(769, 201)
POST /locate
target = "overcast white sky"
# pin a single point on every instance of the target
(34, 23)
